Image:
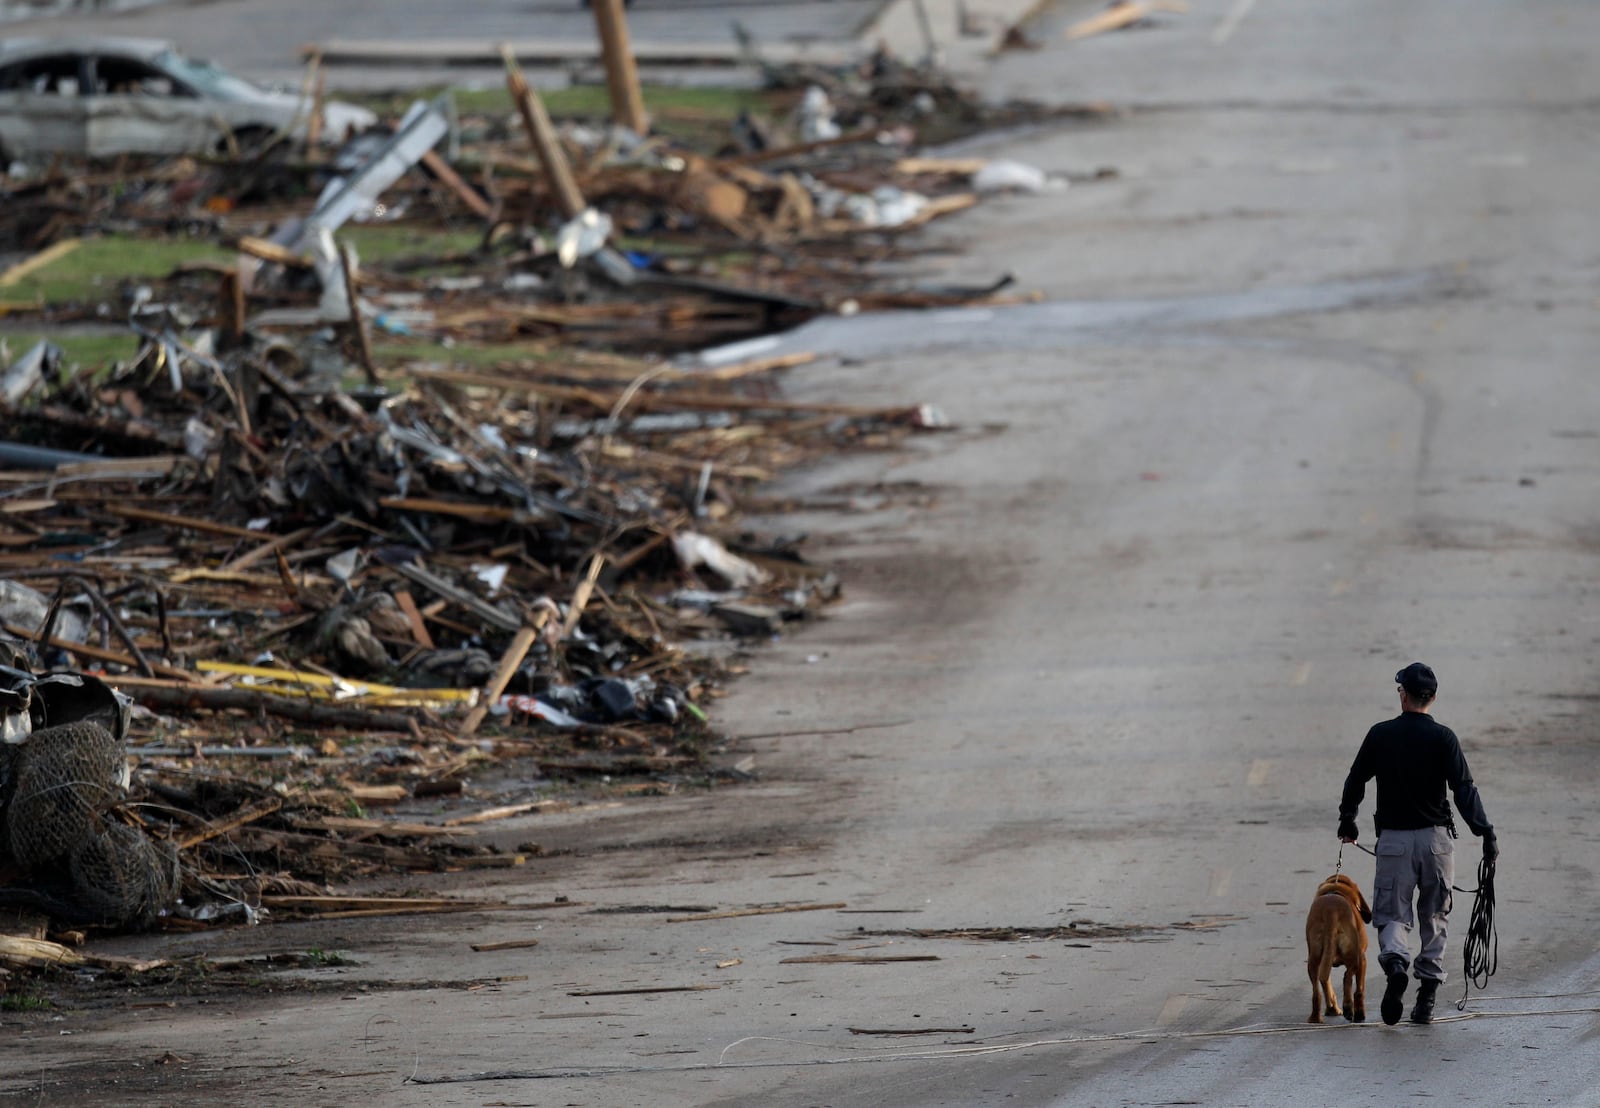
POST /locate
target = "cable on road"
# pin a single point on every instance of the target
(944, 1053)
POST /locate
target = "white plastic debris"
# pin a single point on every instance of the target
(199, 441)
(342, 567)
(582, 237)
(816, 116)
(694, 550)
(897, 206)
(884, 207)
(27, 607)
(539, 709)
(1002, 175)
(493, 576)
(28, 371)
(15, 727)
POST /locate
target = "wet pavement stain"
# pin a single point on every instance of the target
(1058, 323)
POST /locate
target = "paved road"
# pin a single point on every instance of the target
(1108, 650)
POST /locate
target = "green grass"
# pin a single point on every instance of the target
(24, 1002)
(95, 269)
(377, 243)
(319, 957)
(586, 100)
(95, 349)
(697, 116)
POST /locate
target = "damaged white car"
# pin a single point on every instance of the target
(93, 97)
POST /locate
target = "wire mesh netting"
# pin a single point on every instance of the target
(59, 823)
(122, 876)
(65, 777)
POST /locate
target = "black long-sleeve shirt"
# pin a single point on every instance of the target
(1414, 757)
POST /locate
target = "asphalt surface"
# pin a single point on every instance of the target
(1327, 407)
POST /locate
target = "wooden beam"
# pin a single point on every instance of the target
(363, 346)
(98, 654)
(738, 912)
(518, 650)
(248, 814)
(546, 143)
(622, 74)
(435, 163)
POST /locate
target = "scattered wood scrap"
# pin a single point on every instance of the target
(644, 990)
(856, 959)
(764, 911)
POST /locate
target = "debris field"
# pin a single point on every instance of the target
(349, 557)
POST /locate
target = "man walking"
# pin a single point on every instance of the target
(1413, 757)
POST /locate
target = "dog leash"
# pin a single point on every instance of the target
(1456, 888)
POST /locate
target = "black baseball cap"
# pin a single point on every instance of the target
(1418, 680)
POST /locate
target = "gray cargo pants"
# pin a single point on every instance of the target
(1417, 864)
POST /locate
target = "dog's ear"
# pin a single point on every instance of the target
(1363, 907)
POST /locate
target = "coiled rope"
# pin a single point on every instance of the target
(1480, 952)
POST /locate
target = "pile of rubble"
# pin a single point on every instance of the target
(314, 578)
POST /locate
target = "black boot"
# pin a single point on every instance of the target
(1423, 1012)
(1394, 993)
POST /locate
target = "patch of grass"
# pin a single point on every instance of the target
(319, 957)
(95, 268)
(24, 1002)
(586, 100)
(382, 242)
(92, 349)
(687, 114)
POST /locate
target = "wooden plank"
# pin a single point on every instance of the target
(185, 523)
(1122, 14)
(248, 814)
(435, 163)
(97, 654)
(855, 959)
(489, 815)
(508, 944)
(29, 953)
(347, 267)
(385, 827)
(581, 595)
(643, 991)
(266, 550)
(114, 469)
(955, 167)
(272, 252)
(546, 143)
(419, 627)
(770, 911)
(52, 253)
(478, 513)
(515, 653)
(758, 365)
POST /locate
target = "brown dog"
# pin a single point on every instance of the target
(1336, 935)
